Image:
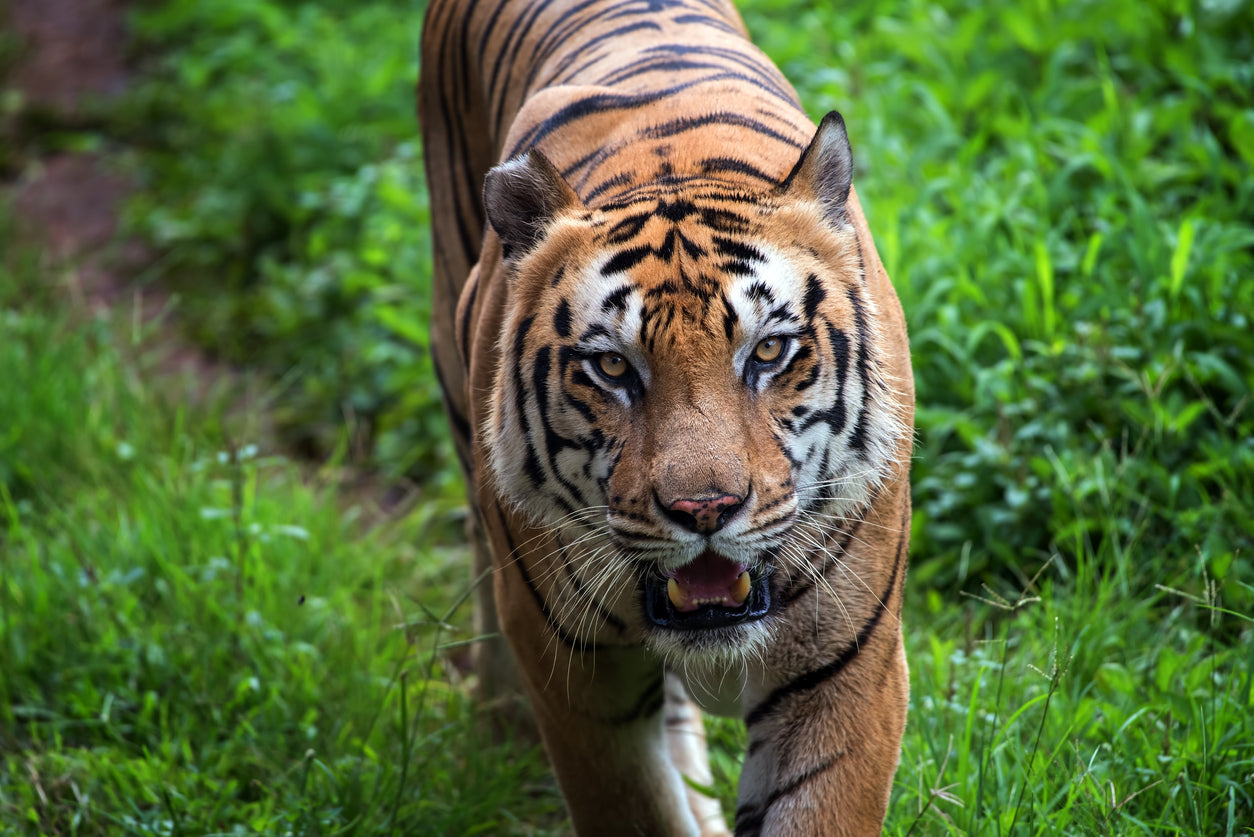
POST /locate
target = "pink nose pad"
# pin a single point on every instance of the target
(705, 516)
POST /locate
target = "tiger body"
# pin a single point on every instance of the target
(680, 388)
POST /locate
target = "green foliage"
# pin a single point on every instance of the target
(285, 195)
(1073, 708)
(196, 637)
(1060, 193)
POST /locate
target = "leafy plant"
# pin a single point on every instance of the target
(287, 201)
(1059, 193)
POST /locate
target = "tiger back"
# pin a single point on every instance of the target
(679, 385)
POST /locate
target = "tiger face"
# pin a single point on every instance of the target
(693, 392)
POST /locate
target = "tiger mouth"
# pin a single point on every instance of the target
(710, 592)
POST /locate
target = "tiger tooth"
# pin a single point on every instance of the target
(678, 596)
(740, 590)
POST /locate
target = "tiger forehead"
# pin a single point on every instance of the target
(662, 308)
(687, 243)
(673, 261)
(666, 266)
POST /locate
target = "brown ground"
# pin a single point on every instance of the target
(72, 60)
(71, 55)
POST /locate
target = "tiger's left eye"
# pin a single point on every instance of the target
(769, 350)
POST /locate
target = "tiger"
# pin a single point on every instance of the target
(678, 380)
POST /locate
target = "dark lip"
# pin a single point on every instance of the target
(662, 614)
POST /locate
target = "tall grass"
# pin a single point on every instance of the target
(200, 637)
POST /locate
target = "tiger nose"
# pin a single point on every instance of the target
(704, 516)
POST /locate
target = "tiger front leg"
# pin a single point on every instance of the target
(823, 747)
(601, 712)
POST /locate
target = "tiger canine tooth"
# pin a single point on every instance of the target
(678, 595)
(740, 590)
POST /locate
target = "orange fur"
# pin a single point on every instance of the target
(657, 205)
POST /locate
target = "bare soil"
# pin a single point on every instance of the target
(71, 55)
(71, 61)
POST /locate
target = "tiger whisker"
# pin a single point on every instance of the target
(819, 579)
(838, 518)
(843, 566)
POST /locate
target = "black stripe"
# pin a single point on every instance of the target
(675, 66)
(767, 73)
(468, 197)
(858, 439)
(593, 106)
(782, 314)
(472, 293)
(650, 701)
(566, 358)
(554, 442)
(817, 677)
(712, 22)
(737, 249)
(620, 179)
(565, 638)
(514, 39)
(730, 317)
(688, 123)
(716, 165)
(571, 57)
(749, 818)
(627, 229)
(724, 220)
(531, 463)
(815, 294)
(560, 29)
(453, 134)
(626, 259)
(561, 319)
(836, 414)
(616, 300)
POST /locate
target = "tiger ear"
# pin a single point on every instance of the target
(522, 196)
(825, 170)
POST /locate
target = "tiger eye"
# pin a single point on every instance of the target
(769, 350)
(613, 365)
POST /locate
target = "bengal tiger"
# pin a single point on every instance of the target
(679, 384)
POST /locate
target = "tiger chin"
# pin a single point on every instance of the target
(679, 384)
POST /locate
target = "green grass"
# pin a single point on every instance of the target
(1061, 194)
(198, 637)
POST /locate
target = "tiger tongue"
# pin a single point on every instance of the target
(711, 579)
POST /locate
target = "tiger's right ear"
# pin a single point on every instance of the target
(825, 170)
(522, 196)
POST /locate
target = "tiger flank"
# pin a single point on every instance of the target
(680, 387)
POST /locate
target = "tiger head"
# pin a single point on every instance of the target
(691, 389)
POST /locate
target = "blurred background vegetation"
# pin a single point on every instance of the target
(1061, 192)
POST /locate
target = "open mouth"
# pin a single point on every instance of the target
(709, 592)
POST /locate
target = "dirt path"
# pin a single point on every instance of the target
(71, 63)
(71, 58)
